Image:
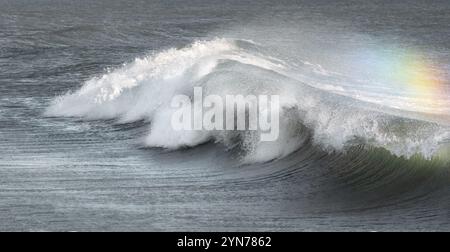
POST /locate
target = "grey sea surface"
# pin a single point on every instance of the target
(62, 172)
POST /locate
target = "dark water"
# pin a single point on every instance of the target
(82, 166)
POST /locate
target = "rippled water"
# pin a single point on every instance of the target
(84, 89)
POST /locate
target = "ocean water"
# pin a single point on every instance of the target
(85, 136)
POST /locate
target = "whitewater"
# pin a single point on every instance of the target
(333, 116)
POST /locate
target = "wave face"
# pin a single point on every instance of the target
(318, 107)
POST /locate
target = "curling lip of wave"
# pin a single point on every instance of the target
(143, 90)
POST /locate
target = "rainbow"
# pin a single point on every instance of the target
(417, 75)
(408, 75)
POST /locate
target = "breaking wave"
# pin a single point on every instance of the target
(319, 107)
